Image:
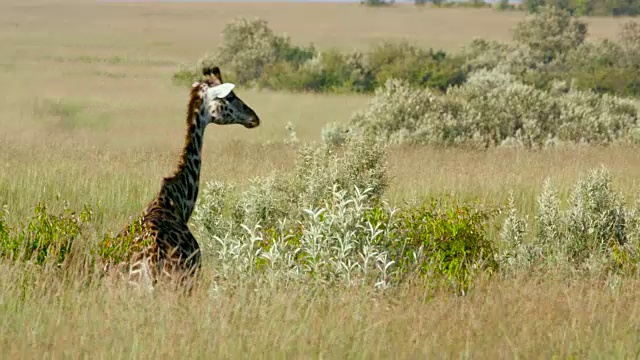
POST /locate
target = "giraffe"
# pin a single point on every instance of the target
(165, 247)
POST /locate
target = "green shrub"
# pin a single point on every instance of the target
(605, 80)
(286, 76)
(184, 77)
(550, 33)
(318, 224)
(587, 7)
(361, 79)
(376, 2)
(549, 47)
(516, 253)
(248, 48)
(252, 53)
(499, 110)
(594, 232)
(397, 113)
(329, 71)
(630, 35)
(549, 219)
(611, 80)
(337, 72)
(503, 5)
(629, 40)
(495, 109)
(359, 162)
(589, 118)
(603, 66)
(333, 71)
(485, 54)
(335, 134)
(119, 248)
(440, 239)
(303, 225)
(4, 227)
(426, 68)
(354, 239)
(329, 244)
(45, 237)
(464, 4)
(596, 217)
(532, 5)
(595, 55)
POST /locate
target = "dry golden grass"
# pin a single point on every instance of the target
(182, 32)
(519, 318)
(87, 110)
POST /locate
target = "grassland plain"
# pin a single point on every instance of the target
(88, 111)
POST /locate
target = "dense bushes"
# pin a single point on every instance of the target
(248, 47)
(588, 7)
(355, 237)
(550, 34)
(548, 46)
(45, 237)
(440, 239)
(49, 237)
(426, 68)
(360, 163)
(354, 240)
(253, 54)
(577, 7)
(4, 227)
(327, 222)
(118, 248)
(594, 232)
(495, 109)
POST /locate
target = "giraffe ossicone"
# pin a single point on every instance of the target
(167, 248)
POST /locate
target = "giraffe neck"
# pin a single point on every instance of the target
(181, 190)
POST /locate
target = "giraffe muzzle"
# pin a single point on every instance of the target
(255, 122)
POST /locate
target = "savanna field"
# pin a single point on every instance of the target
(395, 202)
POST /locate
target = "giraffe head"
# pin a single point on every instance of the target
(215, 102)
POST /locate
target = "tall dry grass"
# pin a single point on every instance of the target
(52, 316)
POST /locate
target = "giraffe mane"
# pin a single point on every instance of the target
(195, 101)
(212, 77)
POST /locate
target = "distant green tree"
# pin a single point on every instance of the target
(583, 7)
(376, 2)
(532, 5)
(588, 7)
(503, 5)
(550, 33)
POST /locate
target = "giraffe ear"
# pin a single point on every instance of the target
(220, 91)
(212, 70)
(216, 72)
